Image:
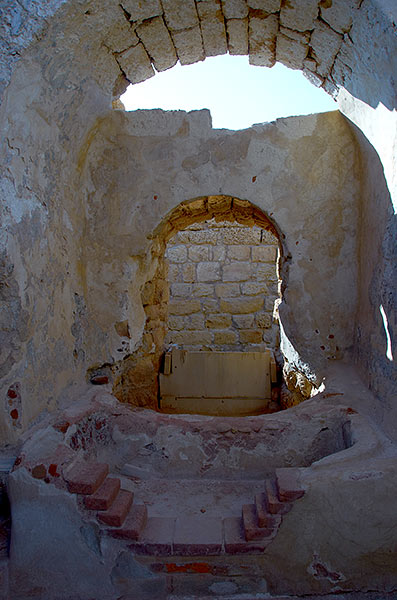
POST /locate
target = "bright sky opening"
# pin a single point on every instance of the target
(237, 94)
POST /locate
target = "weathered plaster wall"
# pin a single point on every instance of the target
(302, 172)
(59, 67)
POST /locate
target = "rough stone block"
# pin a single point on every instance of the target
(243, 235)
(180, 14)
(195, 322)
(189, 273)
(234, 9)
(250, 336)
(158, 43)
(188, 45)
(208, 271)
(290, 52)
(198, 536)
(242, 306)
(177, 254)
(252, 288)
(115, 515)
(262, 35)
(266, 272)
(184, 307)
(173, 272)
(142, 10)
(218, 321)
(325, 44)
(264, 254)
(227, 290)
(181, 290)
(136, 64)
(243, 321)
(212, 26)
(274, 505)
(237, 36)
(268, 6)
(209, 305)
(240, 271)
(206, 236)
(84, 477)
(263, 320)
(104, 496)
(218, 253)
(239, 252)
(176, 323)
(121, 36)
(299, 14)
(201, 290)
(338, 14)
(198, 253)
(224, 337)
(191, 338)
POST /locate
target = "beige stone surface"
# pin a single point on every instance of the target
(188, 45)
(121, 36)
(237, 36)
(242, 305)
(299, 14)
(140, 11)
(136, 64)
(339, 14)
(268, 6)
(184, 307)
(181, 14)
(264, 253)
(212, 27)
(325, 44)
(234, 9)
(158, 43)
(291, 52)
(262, 34)
(240, 271)
(208, 271)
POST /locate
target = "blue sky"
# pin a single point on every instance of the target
(236, 93)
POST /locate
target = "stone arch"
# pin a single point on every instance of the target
(137, 381)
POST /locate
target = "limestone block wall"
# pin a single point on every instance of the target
(223, 286)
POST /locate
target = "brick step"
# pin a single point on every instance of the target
(116, 514)
(85, 477)
(288, 486)
(134, 524)
(265, 519)
(236, 542)
(252, 530)
(274, 505)
(105, 495)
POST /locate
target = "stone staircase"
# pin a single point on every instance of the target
(185, 535)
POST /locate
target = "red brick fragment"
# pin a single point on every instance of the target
(12, 393)
(252, 530)
(275, 505)
(62, 426)
(133, 525)
(52, 469)
(235, 542)
(14, 413)
(116, 514)
(85, 478)
(103, 498)
(288, 485)
(265, 519)
(99, 379)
